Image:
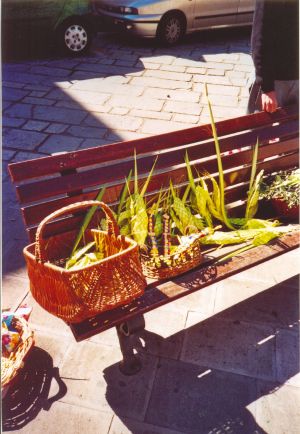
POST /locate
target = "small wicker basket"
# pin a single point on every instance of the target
(75, 295)
(11, 364)
(166, 266)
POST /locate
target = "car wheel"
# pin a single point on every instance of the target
(74, 37)
(171, 28)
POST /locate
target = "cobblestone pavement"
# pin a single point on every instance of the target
(121, 91)
(223, 360)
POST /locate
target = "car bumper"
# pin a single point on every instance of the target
(145, 29)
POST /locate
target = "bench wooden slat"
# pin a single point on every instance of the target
(238, 194)
(158, 295)
(55, 164)
(70, 223)
(74, 222)
(35, 215)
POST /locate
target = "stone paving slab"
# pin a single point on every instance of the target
(288, 356)
(201, 400)
(231, 345)
(67, 419)
(277, 306)
(91, 374)
(51, 343)
(164, 341)
(16, 293)
(275, 407)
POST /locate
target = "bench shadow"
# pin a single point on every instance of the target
(227, 362)
(29, 393)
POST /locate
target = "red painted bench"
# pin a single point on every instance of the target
(46, 184)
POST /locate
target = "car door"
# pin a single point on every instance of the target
(213, 13)
(245, 11)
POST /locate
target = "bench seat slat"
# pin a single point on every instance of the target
(55, 164)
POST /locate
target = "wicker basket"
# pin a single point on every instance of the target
(11, 365)
(164, 267)
(75, 295)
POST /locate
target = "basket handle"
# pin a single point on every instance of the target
(40, 242)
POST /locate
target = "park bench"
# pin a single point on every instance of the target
(46, 184)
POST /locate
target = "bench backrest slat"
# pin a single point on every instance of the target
(72, 160)
(70, 182)
(33, 215)
(46, 184)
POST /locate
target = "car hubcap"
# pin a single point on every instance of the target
(172, 30)
(76, 38)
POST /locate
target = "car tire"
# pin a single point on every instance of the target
(171, 29)
(74, 36)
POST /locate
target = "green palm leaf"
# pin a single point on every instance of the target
(87, 220)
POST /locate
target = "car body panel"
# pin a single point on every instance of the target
(199, 14)
(215, 13)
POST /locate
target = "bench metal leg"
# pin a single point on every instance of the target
(130, 364)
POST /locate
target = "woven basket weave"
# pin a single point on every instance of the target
(75, 295)
(174, 264)
(11, 365)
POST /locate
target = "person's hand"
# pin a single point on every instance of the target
(269, 102)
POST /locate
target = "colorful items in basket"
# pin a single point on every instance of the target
(10, 336)
(10, 332)
(17, 341)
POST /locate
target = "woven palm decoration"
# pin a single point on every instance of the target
(170, 263)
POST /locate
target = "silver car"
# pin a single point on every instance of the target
(169, 20)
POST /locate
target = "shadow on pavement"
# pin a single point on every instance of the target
(33, 44)
(30, 393)
(28, 44)
(228, 362)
